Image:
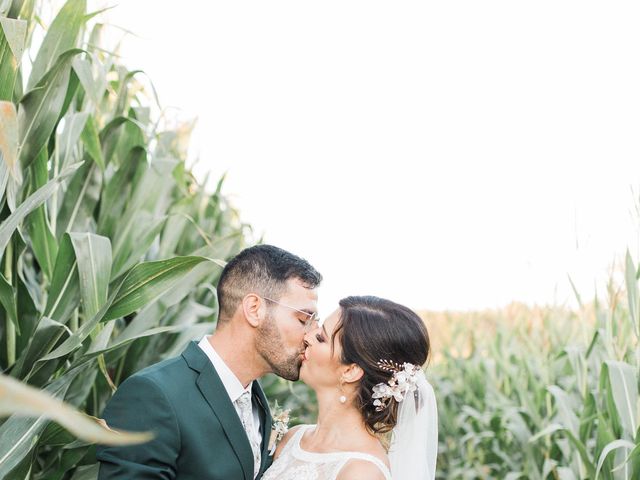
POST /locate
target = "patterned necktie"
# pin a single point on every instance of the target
(246, 417)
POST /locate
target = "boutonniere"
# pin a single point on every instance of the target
(279, 426)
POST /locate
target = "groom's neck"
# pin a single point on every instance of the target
(238, 354)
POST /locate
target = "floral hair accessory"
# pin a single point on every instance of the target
(279, 426)
(402, 382)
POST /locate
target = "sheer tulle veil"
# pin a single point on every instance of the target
(414, 441)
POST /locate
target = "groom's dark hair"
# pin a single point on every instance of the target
(262, 269)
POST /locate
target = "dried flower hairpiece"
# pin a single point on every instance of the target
(402, 382)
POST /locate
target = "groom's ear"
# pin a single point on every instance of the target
(352, 373)
(251, 307)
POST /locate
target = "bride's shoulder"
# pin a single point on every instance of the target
(356, 469)
(287, 437)
(372, 462)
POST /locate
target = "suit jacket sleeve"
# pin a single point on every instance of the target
(139, 404)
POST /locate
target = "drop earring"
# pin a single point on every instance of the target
(343, 399)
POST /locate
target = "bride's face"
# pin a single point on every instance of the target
(321, 366)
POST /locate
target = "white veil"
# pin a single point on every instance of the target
(414, 441)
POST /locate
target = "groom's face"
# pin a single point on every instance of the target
(280, 339)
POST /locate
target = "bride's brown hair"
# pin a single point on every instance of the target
(371, 329)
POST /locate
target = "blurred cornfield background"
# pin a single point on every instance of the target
(111, 251)
(543, 393)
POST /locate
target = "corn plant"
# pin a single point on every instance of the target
(541, 394)
(110, 247)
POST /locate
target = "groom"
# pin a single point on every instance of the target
(208, 413)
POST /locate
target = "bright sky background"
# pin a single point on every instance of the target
(446, 155)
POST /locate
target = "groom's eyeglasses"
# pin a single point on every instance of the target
(311, 317)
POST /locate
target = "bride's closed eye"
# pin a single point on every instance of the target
(319, 337)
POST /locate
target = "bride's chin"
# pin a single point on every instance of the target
(304, 377)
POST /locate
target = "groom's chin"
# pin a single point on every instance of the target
(290, 372)
(297, 372)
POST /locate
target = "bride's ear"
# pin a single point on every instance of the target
(352, 373)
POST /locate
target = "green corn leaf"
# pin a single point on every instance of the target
(8, 301)
(10, 224)
(66, 142)
(86, 472)
(134, 242)
(19, 434)
(125, 340)
(15, 31)
(12, 38)
(41, 108)
(565, 410)
(623, 380)
(196, 277)
(44, 244)
(61, 36)
(74, 342)
(93, 255)
(80, 200)
(93, 89)
(91, 141)
(612, 446)
(548, 430)
(119, 137)
(9, 141)
(64, 293)
(144, 284)
(148, 281)
(19, 399)
(117, 192)
(47, 334)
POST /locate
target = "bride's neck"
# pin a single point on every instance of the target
(335, 419)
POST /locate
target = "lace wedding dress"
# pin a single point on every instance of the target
(294, 463)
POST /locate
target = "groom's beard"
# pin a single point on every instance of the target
(271, 347)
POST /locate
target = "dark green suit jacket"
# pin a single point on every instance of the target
(198, 434)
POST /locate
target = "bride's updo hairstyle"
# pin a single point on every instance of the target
(371, 329)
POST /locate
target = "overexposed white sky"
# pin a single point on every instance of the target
(446, 155)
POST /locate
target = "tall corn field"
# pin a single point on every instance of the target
(540, 393)
(110, 248)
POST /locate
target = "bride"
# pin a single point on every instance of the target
(364, 363)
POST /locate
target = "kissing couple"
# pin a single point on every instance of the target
(377, 416)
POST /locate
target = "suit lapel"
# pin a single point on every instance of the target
(265, 422)
(215, 394)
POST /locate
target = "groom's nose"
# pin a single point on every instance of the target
(310, 326)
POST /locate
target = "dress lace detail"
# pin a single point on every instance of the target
(294, 463)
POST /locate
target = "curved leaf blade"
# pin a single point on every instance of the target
(61, 36)
(148, 281)
(31, 203)
(16, 398)
(41, 107)
(93, 254)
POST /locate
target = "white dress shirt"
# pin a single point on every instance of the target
(231, 384)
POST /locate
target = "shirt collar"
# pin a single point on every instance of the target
(231, 383)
